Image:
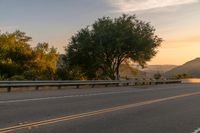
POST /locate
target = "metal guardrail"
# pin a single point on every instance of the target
(11, 84)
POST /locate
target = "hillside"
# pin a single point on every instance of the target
(191, 68)
(153, 69)
(134, 70)
(130, 72)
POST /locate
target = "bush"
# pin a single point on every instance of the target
(30, 75)
(17, 77)
(157, 76)
(2, 77)
(183, 76)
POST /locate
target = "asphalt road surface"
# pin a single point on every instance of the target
(173, 108)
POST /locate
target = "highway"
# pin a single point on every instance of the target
(172, 108)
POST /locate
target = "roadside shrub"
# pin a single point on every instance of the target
(17, 77)
(157, 76)
(183, 76)
(2, 77)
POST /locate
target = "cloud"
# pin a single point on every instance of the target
(138, 5)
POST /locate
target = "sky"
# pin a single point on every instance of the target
(55, 21)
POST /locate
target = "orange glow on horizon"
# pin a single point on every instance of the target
(177, 52)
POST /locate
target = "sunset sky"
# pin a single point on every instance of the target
(54, 21)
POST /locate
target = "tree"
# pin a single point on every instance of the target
(44, 65)
(15, 53)
(99, 50)
(19, 61)
(157, 76)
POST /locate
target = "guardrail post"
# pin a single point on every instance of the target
(9, 89)
(127, 84)
(37, 88)
(77, 86)
(117, 84)
(143, 81)
(59, 87)
(164, 82)
(93, 85)
(136, 81)
(150, 82)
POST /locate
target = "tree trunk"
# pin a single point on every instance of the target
(117, 71)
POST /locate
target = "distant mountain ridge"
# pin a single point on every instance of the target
(191, 68)
(134, 70)
(152, 69)
(127, 71)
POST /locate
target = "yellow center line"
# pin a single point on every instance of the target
(92, 113)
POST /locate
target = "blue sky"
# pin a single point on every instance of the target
(54, 21)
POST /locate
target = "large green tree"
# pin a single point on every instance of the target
(99, 49)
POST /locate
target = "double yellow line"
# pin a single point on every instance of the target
(92, 113)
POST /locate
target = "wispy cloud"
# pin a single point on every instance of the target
(137, 5)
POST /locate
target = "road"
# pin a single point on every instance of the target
(173, 108)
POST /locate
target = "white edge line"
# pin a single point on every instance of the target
(197, 131)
